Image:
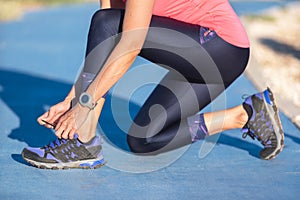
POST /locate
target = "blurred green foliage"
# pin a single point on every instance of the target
(14, 9)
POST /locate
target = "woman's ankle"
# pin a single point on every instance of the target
(85, 138)
(232, 118)
(86, 132)
(88, 129)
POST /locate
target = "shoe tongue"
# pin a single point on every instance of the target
(76, 137)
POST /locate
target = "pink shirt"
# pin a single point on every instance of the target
(216, 15)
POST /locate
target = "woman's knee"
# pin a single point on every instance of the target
(105, 26)
(144, 145)
(99, 18)
(136, 145)
(106, 18)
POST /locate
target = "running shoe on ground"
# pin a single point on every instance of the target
(264, 123)
(65, 154)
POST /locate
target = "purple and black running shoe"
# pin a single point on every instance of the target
(264, 123)
(65, 154)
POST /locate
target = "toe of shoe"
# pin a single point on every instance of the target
(269, 153)
(28, 154)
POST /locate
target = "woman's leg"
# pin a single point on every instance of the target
(106, 24)
(102, 37)
(163, 122)
(219, 121)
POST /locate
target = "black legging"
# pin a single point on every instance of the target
(198, 73)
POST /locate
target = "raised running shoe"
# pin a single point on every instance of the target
(264, 123)
(65, 154)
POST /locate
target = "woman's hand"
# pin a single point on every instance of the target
(71, 121)
(54, 113)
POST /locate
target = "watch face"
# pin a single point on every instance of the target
(85, 98)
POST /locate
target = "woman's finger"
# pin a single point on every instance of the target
(47, 118)
(40, 118)
(48, 124)
(66, 132)
(51, 114)
(60, 127)
(72, 133)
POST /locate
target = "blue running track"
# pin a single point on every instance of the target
(39, 59)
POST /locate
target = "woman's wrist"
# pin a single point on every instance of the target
(69, 101)
(71, 95)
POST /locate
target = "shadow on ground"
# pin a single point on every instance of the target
(242, 144)
(281, 47)
(295, 139)
(28, 96)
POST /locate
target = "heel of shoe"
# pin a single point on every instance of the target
(268, 96)
(276, 122)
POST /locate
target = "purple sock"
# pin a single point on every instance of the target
(197, 127)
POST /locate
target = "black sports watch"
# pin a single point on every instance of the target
(87, 100)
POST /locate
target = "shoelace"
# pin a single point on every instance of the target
(56, 143)
(248, 133)
(266, 142)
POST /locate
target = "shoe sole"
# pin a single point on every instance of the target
(83, 164)
(270, 105)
